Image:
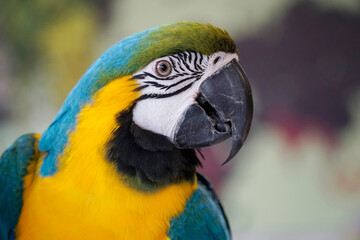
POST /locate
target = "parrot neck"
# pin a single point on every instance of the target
(110, 174)
(148, 160)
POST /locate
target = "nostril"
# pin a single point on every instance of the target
(218, 124)
(223, 127)
(216, 60)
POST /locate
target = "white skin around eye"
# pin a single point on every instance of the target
(161, 115)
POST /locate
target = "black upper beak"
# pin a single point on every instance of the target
(224, 108)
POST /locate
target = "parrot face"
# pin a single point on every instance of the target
(195, 100)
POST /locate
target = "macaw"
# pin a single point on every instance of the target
(119, 159)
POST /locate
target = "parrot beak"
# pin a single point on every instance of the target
(224, 109)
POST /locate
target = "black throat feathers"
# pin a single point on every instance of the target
(148, 160)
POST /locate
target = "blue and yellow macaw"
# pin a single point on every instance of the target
(118, 161)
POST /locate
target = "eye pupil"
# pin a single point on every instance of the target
(163, 68)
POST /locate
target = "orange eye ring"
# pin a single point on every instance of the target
(163, 68)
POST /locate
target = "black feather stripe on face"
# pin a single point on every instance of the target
(186, 71)
(148, 160)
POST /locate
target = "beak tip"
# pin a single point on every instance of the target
(235, 147)
(227, 160)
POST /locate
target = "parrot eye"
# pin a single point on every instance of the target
(163, 68)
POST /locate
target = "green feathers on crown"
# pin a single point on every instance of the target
(179, 37)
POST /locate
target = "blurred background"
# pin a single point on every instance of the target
(298, 174)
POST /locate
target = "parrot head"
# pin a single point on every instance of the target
(195, 100)
(190, 90)
(194, 92)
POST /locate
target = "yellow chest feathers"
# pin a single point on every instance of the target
(57, 208)
(87, 198)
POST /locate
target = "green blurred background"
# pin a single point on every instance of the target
(298, 175)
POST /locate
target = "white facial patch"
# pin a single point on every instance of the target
(165, 99)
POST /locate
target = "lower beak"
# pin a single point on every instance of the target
(224, 109)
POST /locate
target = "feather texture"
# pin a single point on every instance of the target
(17, 161)
(203, 217)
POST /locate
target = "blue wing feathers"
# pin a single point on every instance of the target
(209, 186)
(203, 217)
(13, 168)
